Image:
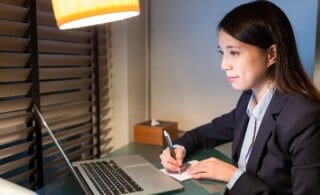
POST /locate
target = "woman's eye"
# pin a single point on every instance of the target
(234, 53)
(220, 52)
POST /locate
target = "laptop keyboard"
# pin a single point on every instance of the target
(109, 178)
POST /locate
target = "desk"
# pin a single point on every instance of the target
(69, 185)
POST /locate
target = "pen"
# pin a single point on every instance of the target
(169, 143)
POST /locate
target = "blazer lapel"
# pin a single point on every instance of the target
(266, 128)
(241, 126)
(238, 138)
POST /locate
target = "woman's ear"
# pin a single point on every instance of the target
(272, 55)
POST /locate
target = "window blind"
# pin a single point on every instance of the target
(65, 73)
(17, 132)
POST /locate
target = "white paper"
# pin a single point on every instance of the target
(183, 175)
(8, 187)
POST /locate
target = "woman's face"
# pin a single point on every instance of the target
(245, 65)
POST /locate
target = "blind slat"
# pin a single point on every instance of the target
(13, 2)
(13, 150)
(16, 75)
(13, 59)
(68, 145)
(13, 44)
(45, 19)
(70, 122)
(14, 121)
(14, 135)
(56, 86)
(64, 60)
(65, 97)
(63, 73)
(14, 105)
(70, 109)
(45, 46)
(13, 28)
(104, 93)
(52, 33)
(104, 81)
(12, 12)
(9, 90)
(44, 5)
(15, 164)
(68, 133)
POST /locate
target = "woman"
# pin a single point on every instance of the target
(275, 127)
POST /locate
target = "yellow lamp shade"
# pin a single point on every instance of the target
(80, 13)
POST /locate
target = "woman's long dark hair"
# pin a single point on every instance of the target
(262, 23)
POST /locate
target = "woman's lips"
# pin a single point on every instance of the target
(232, 79)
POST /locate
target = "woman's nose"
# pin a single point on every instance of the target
(225, 64)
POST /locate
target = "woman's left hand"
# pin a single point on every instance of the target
(212, 168)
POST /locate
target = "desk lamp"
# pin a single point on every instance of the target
(80, 13)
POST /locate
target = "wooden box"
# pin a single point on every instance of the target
(145, 133)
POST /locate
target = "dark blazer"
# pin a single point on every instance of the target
(285, 158)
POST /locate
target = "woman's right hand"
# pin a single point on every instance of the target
(171, 164)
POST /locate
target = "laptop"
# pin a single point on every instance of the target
(127, 174)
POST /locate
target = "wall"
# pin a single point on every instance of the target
(316, 73)
(128, 85)
(187, 84)
(304, 24)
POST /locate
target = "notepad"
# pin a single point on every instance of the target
(183, 175)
